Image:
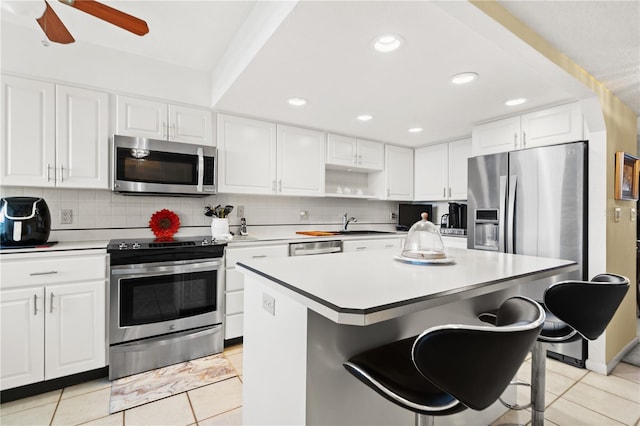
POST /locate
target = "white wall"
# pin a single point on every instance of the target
(21, 52)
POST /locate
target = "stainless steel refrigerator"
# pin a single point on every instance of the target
(533, 202)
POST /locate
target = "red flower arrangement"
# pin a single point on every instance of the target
(164, 223)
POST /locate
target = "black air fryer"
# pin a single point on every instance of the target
(24, 221)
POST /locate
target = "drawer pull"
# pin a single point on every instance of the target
(259, 256)
(361, 248)
(43, 273)
(51, 304)
(389, 245)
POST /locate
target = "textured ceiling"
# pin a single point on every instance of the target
(603, 37)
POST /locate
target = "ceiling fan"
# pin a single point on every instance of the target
(57, 32)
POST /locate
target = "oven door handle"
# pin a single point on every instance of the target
(140, 271)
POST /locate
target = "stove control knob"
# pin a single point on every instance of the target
(135, 245)
(122, 246)
(205, 242)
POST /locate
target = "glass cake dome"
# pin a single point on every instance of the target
(424, 241)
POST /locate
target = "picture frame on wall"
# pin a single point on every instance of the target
(627, 172)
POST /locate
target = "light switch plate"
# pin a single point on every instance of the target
(634, 214)
(240, 211)
(617, 211)
(269, 303)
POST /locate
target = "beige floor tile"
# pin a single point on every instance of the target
(83, 408)
(627, 371)
(86, 387)
(615, 385)
(236, 361)
(603, 402)
(567, 370)
(563, 412)
(30, 402)
(514, 417)
(557, 384)
(211, 400)
(233, 350)
(35, 416)
(116, 419)
(174, 411)
(230, 418)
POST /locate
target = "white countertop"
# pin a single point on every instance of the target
(362, 288)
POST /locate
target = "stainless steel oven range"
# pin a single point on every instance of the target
(166, 303)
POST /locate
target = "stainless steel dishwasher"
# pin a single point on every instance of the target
(315, 247)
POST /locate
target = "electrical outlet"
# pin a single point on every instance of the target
(66, 216)
(240, 211)
(393, 216)
(269, 303)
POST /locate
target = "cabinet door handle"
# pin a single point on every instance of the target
(51, 304)
(61, 173)
(35, 304)
(43, 273)
(48, 172)
(164, 129)
(449, 192)
(524, 139)
(280, 185)
(388, 192)
(515, 140)
(444, 192)
(173, 131)
(360, 159)
(355, 158)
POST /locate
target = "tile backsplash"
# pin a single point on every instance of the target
(103, 209)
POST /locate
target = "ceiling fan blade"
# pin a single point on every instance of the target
(111, 15)
(53, 27)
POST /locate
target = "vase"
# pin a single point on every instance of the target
(220, 228)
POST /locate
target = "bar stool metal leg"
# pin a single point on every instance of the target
(538, 376)
(424, 420)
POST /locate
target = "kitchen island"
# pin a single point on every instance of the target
(304, 316)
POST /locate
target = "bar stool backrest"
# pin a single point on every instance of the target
(474, 364)
(587, 306)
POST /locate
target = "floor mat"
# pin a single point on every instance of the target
(633, 357)
(149, 386)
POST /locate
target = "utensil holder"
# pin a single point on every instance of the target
(220, 228)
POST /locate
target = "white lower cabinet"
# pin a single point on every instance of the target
(234, 291)
(53, 317)
(372, 244)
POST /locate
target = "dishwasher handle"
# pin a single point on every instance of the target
(305, 252)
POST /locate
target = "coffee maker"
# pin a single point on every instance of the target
(457, 216)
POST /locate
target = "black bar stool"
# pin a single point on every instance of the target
(573, 309)
(449, 368)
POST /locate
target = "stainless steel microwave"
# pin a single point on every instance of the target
(149, 166)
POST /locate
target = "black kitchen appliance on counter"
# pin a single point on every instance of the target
(24, 221)
(454, 222)
(408, 214)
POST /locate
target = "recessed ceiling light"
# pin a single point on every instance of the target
(387, 43)
(464, 78)
(364, 117)
(515, 101)
(297, 102)
(415, 130)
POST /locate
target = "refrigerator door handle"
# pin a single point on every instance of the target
(511, 214)
(503, 210)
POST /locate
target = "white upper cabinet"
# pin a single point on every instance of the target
(246, 155)
(158, 120)
(398, 173)
(54, 135)
(560, 124)
(82, 136)
(352, 153)
(549, 126)
(301, 154)
(441, 171)
(459, 153)
(257, 157)
(497, 136)
(28, 132)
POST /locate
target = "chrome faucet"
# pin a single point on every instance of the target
(346, 221)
